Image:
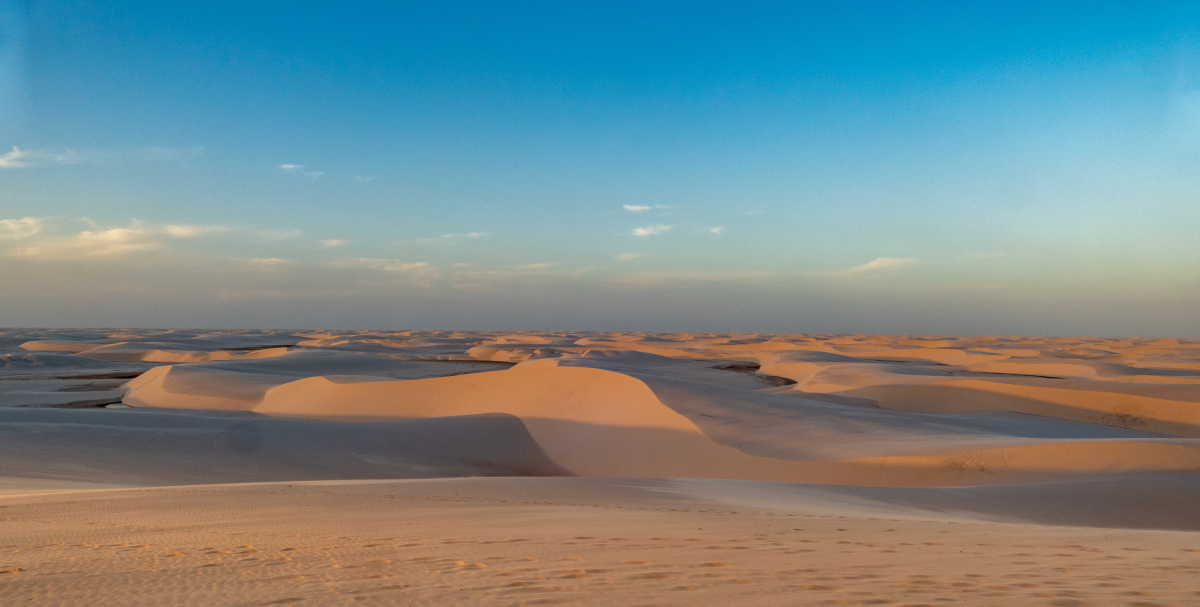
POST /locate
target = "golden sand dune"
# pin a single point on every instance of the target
(600, 422)
(864, 410)
(805, 450)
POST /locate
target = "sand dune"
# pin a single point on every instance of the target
(599, 422)
(841, 440)
(863, 409)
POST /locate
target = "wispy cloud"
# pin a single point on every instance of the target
(448, 238)
(90, 244)
(652, 230)
(13, 159)
(332, 242)
(267, 263)
(20, 159)
(635, 208)
(179, 231)
(61, 239)
(717, 230)
(877, 264)
(417, 273)
(628, 256)
(364, 178)
(385, 265)
(299, 169)
(15, 229)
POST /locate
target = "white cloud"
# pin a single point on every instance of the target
(416, 273)
(299, 168)
(332, 242)
(628, 256)
(652, 230)
(395, 266)
(97, 242)
(880, 263)
(405, 267)
(267, 263)
(19, 159)
(447, 238)
(12, 160)
(91, 244)
(14, 229)
(636, 208)
(364, 178)
(717, 230)
(193, 231)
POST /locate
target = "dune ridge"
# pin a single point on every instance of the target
(597, 422)
(848, 409)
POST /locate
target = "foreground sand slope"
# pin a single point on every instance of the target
(563, 541)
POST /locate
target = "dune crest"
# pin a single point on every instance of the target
(837, 409)
(601, 422)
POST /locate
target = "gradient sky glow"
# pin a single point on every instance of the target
(1002, 168)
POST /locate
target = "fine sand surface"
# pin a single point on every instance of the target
(773, 469)
(554, 541)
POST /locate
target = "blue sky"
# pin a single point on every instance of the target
(865, 167)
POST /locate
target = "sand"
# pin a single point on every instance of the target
(430, 467)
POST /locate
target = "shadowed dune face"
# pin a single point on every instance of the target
(860, 410)
(130, 447)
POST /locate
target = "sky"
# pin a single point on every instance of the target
(854, 167)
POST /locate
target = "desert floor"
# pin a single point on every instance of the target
(274, 467)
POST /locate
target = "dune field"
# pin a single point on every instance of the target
(181, 467)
